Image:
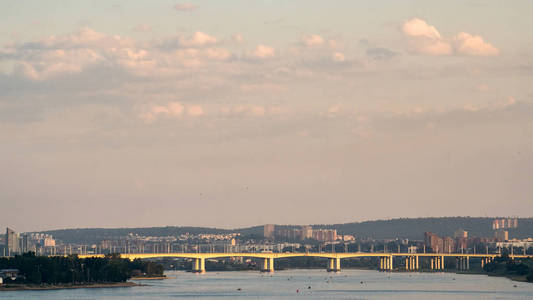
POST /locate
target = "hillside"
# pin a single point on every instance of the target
(381, 229)
(95, 235)
(414, 228)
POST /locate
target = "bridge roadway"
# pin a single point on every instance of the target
(386, 260)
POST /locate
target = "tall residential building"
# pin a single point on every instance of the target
(268, 231)
(501, 235)
(504, 223)
(12, 243)
(307, 232)
(461, 234)
(448, 245)
(434, 242)
(325, 235)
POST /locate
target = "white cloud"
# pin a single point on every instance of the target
(335, 109)
(195, 111)
(257, 110)
(175, 108)
(185, 7)
(312, 40)
(426, 39)
(338, 57)
(334, 44)
(72, 53)
(198, 39)
(172, 109)
(419, 28)
(473, 45)
(217, 53)
(262, 51)
(237, 38)
(253, 110)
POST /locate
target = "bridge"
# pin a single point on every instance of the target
(386, 260)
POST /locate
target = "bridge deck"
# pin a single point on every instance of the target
(287, 255)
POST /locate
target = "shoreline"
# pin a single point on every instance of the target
(30, 287)
(151, 278)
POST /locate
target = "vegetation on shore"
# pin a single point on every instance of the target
(42, 287)
(72, 270)
(504, 266)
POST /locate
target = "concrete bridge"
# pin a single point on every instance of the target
(386, 260)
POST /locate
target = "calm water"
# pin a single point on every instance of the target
(295, 284)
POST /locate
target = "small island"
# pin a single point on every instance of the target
(31, 272)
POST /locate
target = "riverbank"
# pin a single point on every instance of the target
(34, 287)
(151, 278)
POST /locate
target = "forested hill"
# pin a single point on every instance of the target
(95, 235)
(381, 229)
(414, 228)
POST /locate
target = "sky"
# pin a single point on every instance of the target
(241, 112)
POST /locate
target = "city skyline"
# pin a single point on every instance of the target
(234, 114)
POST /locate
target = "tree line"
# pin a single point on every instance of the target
(74, 270)
(512, 268)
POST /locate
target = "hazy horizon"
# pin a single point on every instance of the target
(239, 113)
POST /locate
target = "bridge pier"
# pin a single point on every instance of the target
(485, 261)
(268, 265)
(334, 264)
(411, 263)
(386, 263)
(198, 265)
(464, 263)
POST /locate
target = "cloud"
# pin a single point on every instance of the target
(172, 109)
(338, 57)
(257, 110)
(262, 52)
(426, 39)
(77, 51)
(198, 39)
(509, 102)
(419, 28)
(335, 109)
(473, 45)
(217, 53)
(253, 110)
(312, 40)
(195, 111)
(185, 7)
(237, 38)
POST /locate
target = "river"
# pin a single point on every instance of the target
(301, 284)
